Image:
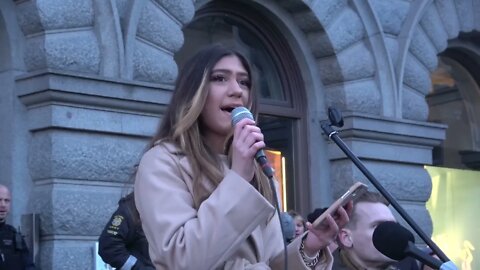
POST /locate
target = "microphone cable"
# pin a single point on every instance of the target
(271, 179)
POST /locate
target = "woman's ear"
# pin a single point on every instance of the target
(345, 238)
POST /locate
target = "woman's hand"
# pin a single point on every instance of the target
(247, 141)
(321, 236)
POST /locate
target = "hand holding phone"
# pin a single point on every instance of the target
(351, 194)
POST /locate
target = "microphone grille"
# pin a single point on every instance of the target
(391, 239)
(240, 113)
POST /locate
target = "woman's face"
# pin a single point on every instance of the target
(299, 229)
(228, 88)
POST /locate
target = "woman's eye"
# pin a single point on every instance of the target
(218, 78)
(245, 83)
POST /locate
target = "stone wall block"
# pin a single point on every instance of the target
(159, 29)
(75, 209)
(71, 117)
(433, 27)
(83, 156)
(476, 10)
(44, 15)
(307, 21)
(392, 14)
(446, 10)
(320, 44)
(182, 10)
(71, 51)
(67, 254)
(359, 96)
(419, 213)
(346, 31)
(353, 63)
(403, 181)
(423, 49)
(416, 75)
(42, 202)
(153, 65)
(414, 105)
(328, 10)
(28, 18)
(466, 9)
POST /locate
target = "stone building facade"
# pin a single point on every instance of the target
(84, 82)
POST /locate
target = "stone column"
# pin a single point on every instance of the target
(98, 76)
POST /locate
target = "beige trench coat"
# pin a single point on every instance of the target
(232, 229)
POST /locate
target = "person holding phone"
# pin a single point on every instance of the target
(203, 201)
(355, 246)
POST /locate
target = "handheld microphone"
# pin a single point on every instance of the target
(240, 113)
(396, 242)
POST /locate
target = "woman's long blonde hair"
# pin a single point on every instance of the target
(181, 123)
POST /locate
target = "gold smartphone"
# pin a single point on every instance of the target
(352, 193)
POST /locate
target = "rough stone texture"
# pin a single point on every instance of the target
(83, 156)
(346, 30)
(391, 14)
(476, 11)
(182, 10)
(433, 27)
(154, 65)
(423, 49)
(67, 254)
(65, 14)
(28, 18)
(44, 15)
(420, 216)
(465, 8)
(449, 18)
(393, 177)
(320, 44)
(360, 96)
(93, 120)
(416, 75)
(327, 11)
(72, 51)
(158, 28)
(67, 208)
(351, 64)
(415, 106)
(307, 21)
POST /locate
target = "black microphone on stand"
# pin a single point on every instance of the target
(239, 114)
(396, 242)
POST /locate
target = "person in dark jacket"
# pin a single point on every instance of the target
(14, 253)
(122, 243)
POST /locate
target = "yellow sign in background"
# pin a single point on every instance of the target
(454, 206)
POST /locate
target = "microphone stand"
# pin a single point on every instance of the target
(336, 119)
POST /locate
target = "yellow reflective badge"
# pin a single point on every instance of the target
(117, 220)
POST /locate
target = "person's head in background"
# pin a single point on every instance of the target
(355, 239)
(198, 119)
(299, 222)
(288, 227)
(5, 199)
